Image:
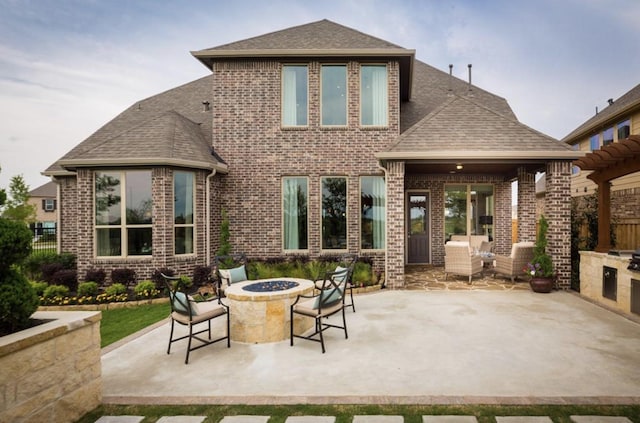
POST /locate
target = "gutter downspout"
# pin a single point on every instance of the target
(386, 218)
(207, 197)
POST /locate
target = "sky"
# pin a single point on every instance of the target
(67, 67)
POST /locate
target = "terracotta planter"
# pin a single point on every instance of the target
(543, 285)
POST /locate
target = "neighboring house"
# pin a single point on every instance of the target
(613, 126)
(317, 139)
(44, 198)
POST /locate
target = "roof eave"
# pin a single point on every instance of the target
(131, 162)
(598, 125)
(479, 155)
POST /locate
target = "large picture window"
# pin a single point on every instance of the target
(373, 212)
(373, 95)
(334, 213)
(123, 210)
(183, 222)
(334, 95)
(469, 210)
(294, 211)
(294, 95)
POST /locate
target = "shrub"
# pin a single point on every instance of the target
(33, 264)
(88, 289)
(96, 275)
(18, 301)
(201, 275)
(53, 291)
(48, 271)
(124, 276)
(157, 276)
(116, 289)
(66, 277)
(67, 260)
(15, 243)
(146, 289)
(39, 287)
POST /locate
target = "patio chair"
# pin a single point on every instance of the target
(347, 260)
(187, 312)
(513, 265)
(458, 260)
(329, 300)
(229, 269)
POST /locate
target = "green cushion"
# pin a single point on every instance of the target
(179, 302)
(328, 298)
(237, 274)
(341, 274)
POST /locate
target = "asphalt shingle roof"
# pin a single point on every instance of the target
(49, 189)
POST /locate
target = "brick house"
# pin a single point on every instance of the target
(317, 139)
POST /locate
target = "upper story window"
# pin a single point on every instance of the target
(594, 142)
(373, 95)
(373, 212)
(334, 95)
(183, 221)
(624, 129)
(48, 204)
(295, 211)
(607, 136)
(123, 210)
(334, 213)
(295, 95)
(575, 169)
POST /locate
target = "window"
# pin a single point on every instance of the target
(624, 129)
(334, 95)
(594, 142)
(373, 212)
(469, 210)
(373, 95)
(123, 208)
(575, 169)
(334, 213)
(294, 95)
(48, 204)
(294, 211)
(607, 136)
(183, 224)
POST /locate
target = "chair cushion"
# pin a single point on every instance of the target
(307, 308)
(179, 301)
(236, 274)
(341, 274)
(328, 298)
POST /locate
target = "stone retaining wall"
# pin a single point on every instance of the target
(51, 372)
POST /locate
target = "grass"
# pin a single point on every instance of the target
(345, 413)
(121, 322)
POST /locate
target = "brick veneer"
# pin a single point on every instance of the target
(558, 214)
(526, 206)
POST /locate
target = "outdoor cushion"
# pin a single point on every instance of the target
(328, 297)
(236, 274)
(179, 302)
(206, 310)
(341, 274)
(308, 307)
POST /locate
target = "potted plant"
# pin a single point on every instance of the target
(540, 268)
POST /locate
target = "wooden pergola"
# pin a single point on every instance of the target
(610, 162)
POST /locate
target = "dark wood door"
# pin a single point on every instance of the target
(418, 228)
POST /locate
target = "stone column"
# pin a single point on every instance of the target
(558, 214)
(396, 234)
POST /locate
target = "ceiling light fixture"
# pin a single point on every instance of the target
(459, 166)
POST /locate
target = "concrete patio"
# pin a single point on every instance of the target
(447, 346)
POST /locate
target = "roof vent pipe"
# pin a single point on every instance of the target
(596, 110)
(450, 78)
(610, 101)
(205, 106)
(469, 65)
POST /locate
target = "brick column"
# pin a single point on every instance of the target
(396, 234)
(558, 214)
(526, 205)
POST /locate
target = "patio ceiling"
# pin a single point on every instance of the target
(612, 161)
(478, 167)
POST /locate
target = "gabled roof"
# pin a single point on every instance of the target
(610, 115)
(50, 189)
(321, 39)
(171, 128)
(464, 129)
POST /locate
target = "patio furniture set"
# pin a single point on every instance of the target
(259, 311)
(468, 256)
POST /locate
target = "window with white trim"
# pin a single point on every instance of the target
(373, 95)
(334, 95)
(372, 212)
(295, 212)
(334, 213)
(183, 212)
(295, 95)
(123, 213)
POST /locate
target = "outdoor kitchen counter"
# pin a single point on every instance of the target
(264, 316)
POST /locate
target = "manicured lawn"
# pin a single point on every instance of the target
(345, 413)
(122, 322)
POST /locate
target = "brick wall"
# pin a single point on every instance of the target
(259, 152)
(526, 206)
(558, 214)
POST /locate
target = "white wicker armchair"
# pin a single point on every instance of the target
(513, 265)
(458, 260)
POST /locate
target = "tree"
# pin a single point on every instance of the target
(3, 195)
(17, 208)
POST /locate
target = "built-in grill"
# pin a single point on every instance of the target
(634, 262)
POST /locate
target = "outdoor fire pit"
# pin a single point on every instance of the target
(259, 309)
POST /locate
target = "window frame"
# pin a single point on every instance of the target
(345, 94)
(594, 141)
(123, 226)
(362, 215)
(284, 221)
(625, 122)
(346, 213)
(386, 93)
(283, 96)
(469, 212)
(49, 204)
(194, 213)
